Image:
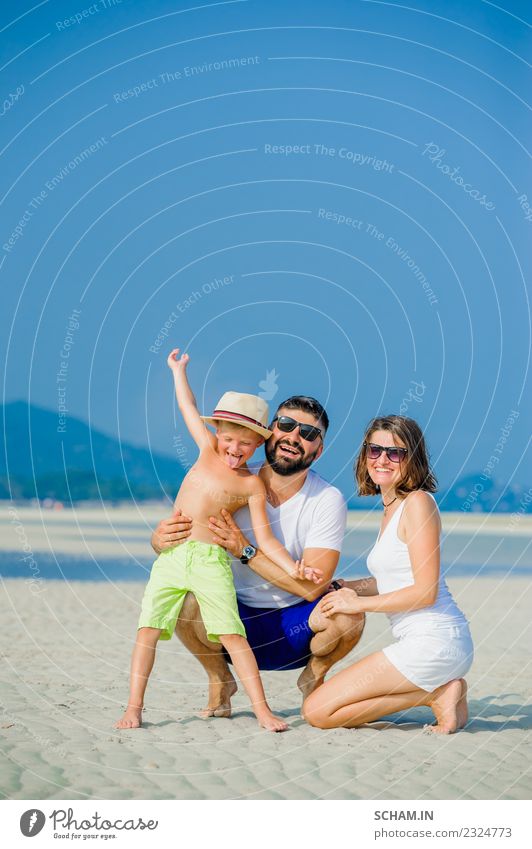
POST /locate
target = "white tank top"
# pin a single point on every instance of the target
(389, 563)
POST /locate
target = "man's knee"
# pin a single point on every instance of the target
(189, 615)
(344, 626)
(190, 607)
(350, 626)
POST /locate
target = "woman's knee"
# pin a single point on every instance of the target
(317, 719)
(313, 712)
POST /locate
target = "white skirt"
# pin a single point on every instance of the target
(432, 656)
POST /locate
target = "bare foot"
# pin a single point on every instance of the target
(219, 699)
(132, 718)
(270, 722)
(308, 681)
(450, 707)
(462, 712)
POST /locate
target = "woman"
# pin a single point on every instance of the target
(433, 648)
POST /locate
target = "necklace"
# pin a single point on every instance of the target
(389, 504)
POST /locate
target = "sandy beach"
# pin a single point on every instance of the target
(64, 680)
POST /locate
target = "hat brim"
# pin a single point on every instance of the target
(262, 431)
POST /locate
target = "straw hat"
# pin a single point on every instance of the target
(241, 409)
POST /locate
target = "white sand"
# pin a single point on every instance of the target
(64, 682)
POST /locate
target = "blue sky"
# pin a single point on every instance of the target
(330, 191)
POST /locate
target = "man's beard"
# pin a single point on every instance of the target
(287, 465)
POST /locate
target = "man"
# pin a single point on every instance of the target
(284, 626)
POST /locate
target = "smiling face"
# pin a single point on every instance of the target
(288, 453)
(236, 444)
(383, 472)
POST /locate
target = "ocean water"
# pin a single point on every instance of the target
(111, 545)
(69, 568)
(463, 554)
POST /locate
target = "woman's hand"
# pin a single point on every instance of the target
(171, 532)
(341, 601)
(227, 533)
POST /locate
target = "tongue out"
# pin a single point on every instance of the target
(232, 461)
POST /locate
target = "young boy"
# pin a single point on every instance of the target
(219, 479)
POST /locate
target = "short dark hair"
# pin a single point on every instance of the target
(418, 473)
(307, 405)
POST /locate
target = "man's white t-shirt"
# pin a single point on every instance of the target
(314, 517)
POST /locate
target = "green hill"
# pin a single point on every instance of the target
(79, 464)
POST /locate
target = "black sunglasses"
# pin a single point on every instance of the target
(307, 432)
(395, 455)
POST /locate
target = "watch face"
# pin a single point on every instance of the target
(249, 551)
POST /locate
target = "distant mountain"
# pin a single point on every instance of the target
(473, 494)
(78, 464)
(84, 464)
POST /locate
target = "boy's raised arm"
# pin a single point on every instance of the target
(186, 401)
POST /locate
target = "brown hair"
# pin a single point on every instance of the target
(417, 474)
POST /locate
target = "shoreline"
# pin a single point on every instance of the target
(41, 542)
(153, 510)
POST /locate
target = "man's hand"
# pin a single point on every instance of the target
(171, 532)
(227, 533)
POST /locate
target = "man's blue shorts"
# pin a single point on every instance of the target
(280, 636)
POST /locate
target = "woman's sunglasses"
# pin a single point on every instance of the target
(287, 425)
(395, 455)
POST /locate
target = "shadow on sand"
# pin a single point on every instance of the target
(487, 714)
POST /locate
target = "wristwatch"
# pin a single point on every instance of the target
(248, 552)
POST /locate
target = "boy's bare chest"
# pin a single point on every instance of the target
(220, 483)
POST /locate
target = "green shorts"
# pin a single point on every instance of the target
(198, 568)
